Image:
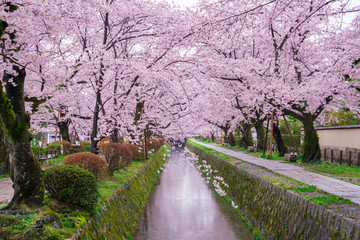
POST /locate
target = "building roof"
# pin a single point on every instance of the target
(338, 127)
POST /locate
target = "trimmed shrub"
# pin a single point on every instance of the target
(152, 145)
(39, 152)
(136, 151)
(56, 147)
(65, 145)
(117, 155)
(88, 161)
(75, 149)
(72, 185)
(104, 141)
(160, 139)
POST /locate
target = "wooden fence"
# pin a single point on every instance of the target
(341, 155)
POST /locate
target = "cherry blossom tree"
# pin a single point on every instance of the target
(24, 50)
(283, 52)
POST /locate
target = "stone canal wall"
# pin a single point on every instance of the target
(280, 214)
(117, 217)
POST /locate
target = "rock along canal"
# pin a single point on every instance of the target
(183, 206)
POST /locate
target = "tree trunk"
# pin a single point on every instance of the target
(281, 145)
(212, 135)
(260, 132)
(94, 131)
(312, 152)
(64, 130)
(4, 154)
(232, 141)
(226, 130)
(246, 135)
(115, 136)
(25, 168)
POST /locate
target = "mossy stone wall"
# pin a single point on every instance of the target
(117, 218)
(279, 213)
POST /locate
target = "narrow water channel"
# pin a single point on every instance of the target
(183, 206)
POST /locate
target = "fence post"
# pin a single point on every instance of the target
(349, 163)
(341, 153)
(332, 156)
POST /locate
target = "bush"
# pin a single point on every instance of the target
(75, 149)
(86, 145)
(72, 185)
(117, 155)
(39, 152)
(136, 151)
(152, 145)
(66, 146)
(287, 139)
(103, 141)
(88, 161)
(56, 147)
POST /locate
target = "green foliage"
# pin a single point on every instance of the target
(72, 185)
(56, 147)
(66, 146)
(341, 118)
(294, 125)
(86, 145)
(75, 149)
(39, 152)
(288, 141)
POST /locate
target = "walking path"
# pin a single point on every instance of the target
(6, 190)
(328, 184)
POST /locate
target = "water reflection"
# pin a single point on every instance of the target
(182, 206)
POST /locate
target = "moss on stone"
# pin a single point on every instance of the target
(276, 212)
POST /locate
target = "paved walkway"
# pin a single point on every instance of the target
(6, 190)
(328, 184)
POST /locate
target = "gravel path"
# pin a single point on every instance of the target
(328, 184)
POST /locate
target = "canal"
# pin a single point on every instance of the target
(183, 206)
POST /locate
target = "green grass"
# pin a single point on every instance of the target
(76, 218)
(211, 151)
(327, 200)
(4, 176)
(334, 169)
(323, 198)
(311, 188)
(107, 187)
